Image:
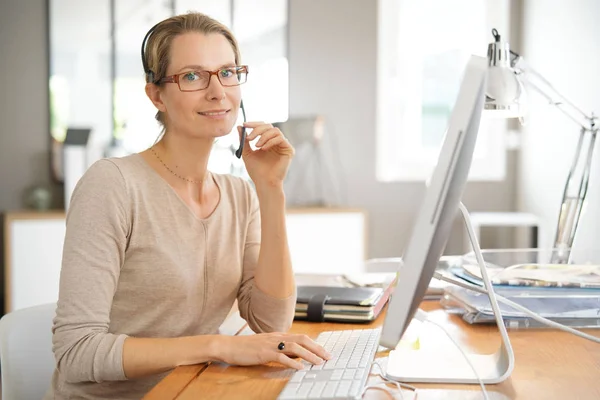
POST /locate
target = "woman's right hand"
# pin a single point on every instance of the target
(263, 348)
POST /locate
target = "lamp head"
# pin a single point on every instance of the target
(303, 129)
(504, 90)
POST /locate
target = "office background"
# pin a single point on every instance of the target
(560, 39)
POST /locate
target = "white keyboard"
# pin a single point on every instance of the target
(344, 376)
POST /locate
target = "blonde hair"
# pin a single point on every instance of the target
(158, 48)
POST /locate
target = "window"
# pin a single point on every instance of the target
(134, 126)
(260, 27)
(423, 47)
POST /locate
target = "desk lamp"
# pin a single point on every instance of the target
(508, 75)
(310, 171)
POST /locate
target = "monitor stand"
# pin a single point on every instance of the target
(439, 366)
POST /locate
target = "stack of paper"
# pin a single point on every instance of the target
(547, 275)
(571, 307)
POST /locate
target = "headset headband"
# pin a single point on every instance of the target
(149, 73)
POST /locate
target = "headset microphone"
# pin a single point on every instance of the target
(238, 152)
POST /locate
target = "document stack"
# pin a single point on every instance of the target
(565, 293)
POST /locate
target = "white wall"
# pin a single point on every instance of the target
(561, 40)
(332, 56)
(24, 115)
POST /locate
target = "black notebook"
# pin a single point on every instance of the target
(343, 304)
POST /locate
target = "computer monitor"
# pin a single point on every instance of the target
(440, 205)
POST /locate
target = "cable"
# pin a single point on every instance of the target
(423, 317)
(546, 321)
(376, 387)
(519, 307)
(387, 380)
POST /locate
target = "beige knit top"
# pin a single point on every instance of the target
(138, 262)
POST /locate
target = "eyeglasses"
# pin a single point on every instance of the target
(192, 81)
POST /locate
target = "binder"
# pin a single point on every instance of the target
(340, 304)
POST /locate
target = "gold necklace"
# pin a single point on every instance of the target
(173, 172)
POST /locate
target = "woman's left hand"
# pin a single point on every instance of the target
(269, 163)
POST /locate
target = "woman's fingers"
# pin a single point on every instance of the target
(302, 352)
(266, 347)
(288, 362)
(269, 137)
(274, 141)
(254, 124)
(312, 346)
(258, 128)
(268, 134)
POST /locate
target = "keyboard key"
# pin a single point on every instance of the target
(359, 374)
(289, 392)
(317, 389)
(310, 376)
(297, 377)
(304, 389)
(364, 361)
(349, 374)
(343, 389)
(355, 388)
(337, 375)
(330, 389)
(330, 364)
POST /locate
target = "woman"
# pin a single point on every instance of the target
(158, 248)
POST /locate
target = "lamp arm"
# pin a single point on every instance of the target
(575, 190)
(536, 81)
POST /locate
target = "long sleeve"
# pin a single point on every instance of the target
(94, 249)
(263, 313)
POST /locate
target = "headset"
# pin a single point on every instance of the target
(150, 78)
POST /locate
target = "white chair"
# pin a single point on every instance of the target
(26, 357)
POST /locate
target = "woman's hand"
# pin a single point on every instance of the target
(263, 348)
(269, 163)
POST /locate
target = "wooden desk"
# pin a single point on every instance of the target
(549, 365)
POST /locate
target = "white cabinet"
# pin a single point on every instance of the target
(327, 240)
(33, 244)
